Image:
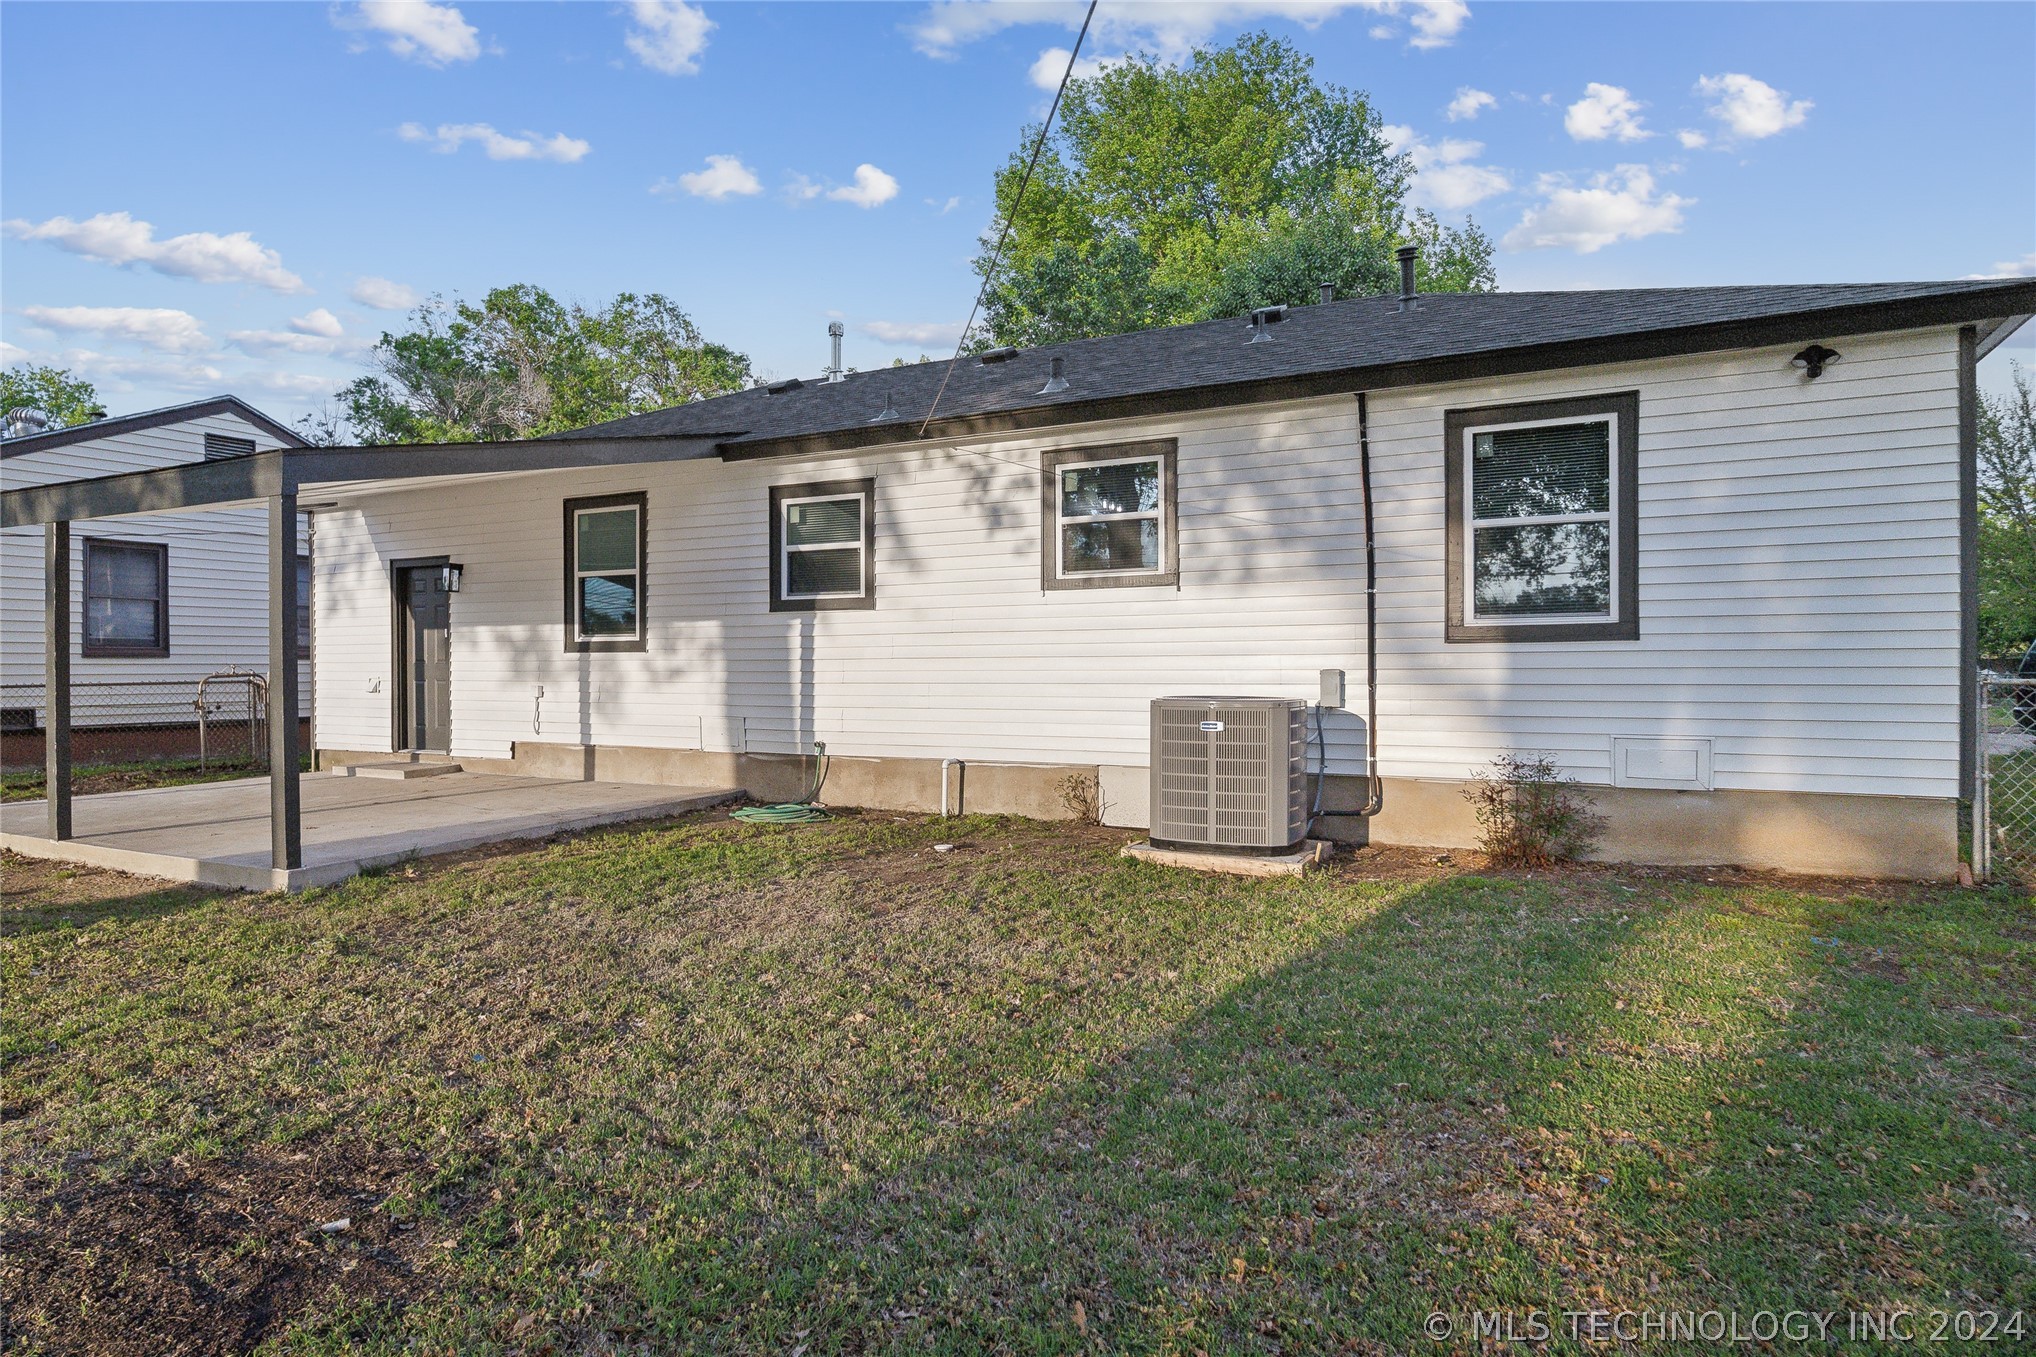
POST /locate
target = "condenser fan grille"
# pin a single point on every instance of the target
(1229, 772)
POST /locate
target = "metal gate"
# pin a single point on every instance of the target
(2004, 806)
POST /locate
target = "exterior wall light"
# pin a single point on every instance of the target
(449, 578)
(1813, 360)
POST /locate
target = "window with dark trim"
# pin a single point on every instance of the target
(824, 546)
(1109, 517)
(604, 574)
(1543, 504)
(127, 599)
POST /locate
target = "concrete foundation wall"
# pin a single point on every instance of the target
(1903, 837)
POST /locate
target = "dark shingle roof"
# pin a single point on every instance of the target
(1343, 346)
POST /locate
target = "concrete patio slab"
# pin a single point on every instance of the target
(218, 832)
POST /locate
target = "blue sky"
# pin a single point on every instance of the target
(239, 197)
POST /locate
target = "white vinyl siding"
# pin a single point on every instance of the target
(1798, 578)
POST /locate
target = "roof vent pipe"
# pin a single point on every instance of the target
(23, 420)
(1328, 293)
(1407, 255)
(890, 410)
(835, 330)
(1057, 382)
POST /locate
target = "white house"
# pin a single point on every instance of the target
(162, 599)
(1709, 547)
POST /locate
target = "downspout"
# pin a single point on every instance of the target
(1375, 801)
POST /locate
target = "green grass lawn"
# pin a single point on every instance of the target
(88, 779)
(710, 1088)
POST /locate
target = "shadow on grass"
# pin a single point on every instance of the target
(1486, 1097)
(150, 902)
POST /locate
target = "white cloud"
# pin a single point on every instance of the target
(449, 137)
(1436, 22)
(2025, 267)
(669, 35)
(434, 35)
(1751, 108)
(1052, 63)
(800, 188)
(157, 327)
(1692, 139)
(290, 341)
(725, 177)
(11, 354)
(1444, 175)
(117, 238)
(119, 372)
(1619, 205)
(289, 385)
(1605, 111)
(318, 321)
(872, 188)
(945, 207)
(1171, 29)
(1468, 103)
(912, 335)
(384, 295)
(317, 332)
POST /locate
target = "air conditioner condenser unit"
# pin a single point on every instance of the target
(1229, 773)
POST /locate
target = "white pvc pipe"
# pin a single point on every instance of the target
(946, 764)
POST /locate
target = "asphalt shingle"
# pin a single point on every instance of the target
(1367, 335)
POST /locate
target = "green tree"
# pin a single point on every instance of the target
(521, 363)
(1168, 195)
(2007, 519)
(65, 398)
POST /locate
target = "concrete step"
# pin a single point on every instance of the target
(396, 771)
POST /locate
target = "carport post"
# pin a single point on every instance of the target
(56, 676)
(286, 835)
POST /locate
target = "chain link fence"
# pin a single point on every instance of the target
(214, 723)
(2004, 810)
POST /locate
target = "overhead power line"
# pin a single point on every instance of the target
(1038, 145)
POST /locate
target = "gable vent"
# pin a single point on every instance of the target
(219, 447)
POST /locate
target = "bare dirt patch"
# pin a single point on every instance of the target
(192, 1259)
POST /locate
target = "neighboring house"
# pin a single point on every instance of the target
(161, 600)
(1711, 548)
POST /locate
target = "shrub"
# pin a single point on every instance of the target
(1530, 813)
(1079, 797)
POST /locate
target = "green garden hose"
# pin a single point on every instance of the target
(789, 813)
(801, 812)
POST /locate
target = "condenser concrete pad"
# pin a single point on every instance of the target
(218, 832)
(1311, 854)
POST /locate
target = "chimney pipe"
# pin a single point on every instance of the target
(1328, 293)
(835, 330)
(1407, 255)
(1056, 382)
